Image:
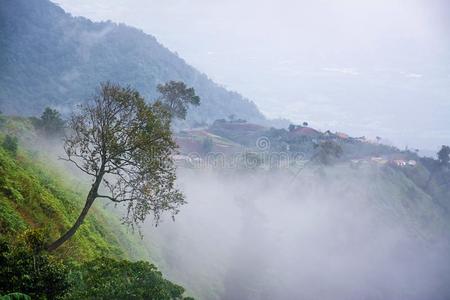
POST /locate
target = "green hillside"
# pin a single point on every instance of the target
(39, 201)
(34, 193)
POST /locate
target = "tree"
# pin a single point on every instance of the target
(125, 145)
(444, 155)
(292, 127)
(328, 152)
(10, 144)
(207, 145)
(305, 124)
(2, 119)
(50, 123)
(443, 161)
(176, 97)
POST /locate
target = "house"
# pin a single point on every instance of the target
(329, 135)
(306, 131)
(412, 163)
(379, 160)
(399, 162)
(342, 135)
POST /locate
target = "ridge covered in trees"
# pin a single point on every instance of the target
(50, 58)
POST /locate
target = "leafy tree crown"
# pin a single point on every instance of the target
(126, 145)
(176, 97)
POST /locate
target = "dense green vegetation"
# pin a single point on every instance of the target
(26, 268)
(106, 278)
(50, 58)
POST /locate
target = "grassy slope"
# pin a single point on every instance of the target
(33, 193)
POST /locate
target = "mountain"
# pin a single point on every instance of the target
(50, 58)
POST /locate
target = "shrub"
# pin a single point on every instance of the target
(107, 278)
(28, 269)
(10, 144)
(15, 296)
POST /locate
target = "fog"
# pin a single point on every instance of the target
(340, 231)
(335, 233)
(373, 68)
(368, 68)
(322, 232)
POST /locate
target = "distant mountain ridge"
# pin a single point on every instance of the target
(50, 58)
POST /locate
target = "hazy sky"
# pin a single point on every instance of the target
(373, 67)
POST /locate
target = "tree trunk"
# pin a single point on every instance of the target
(89, 201)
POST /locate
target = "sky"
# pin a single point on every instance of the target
(368, 68)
